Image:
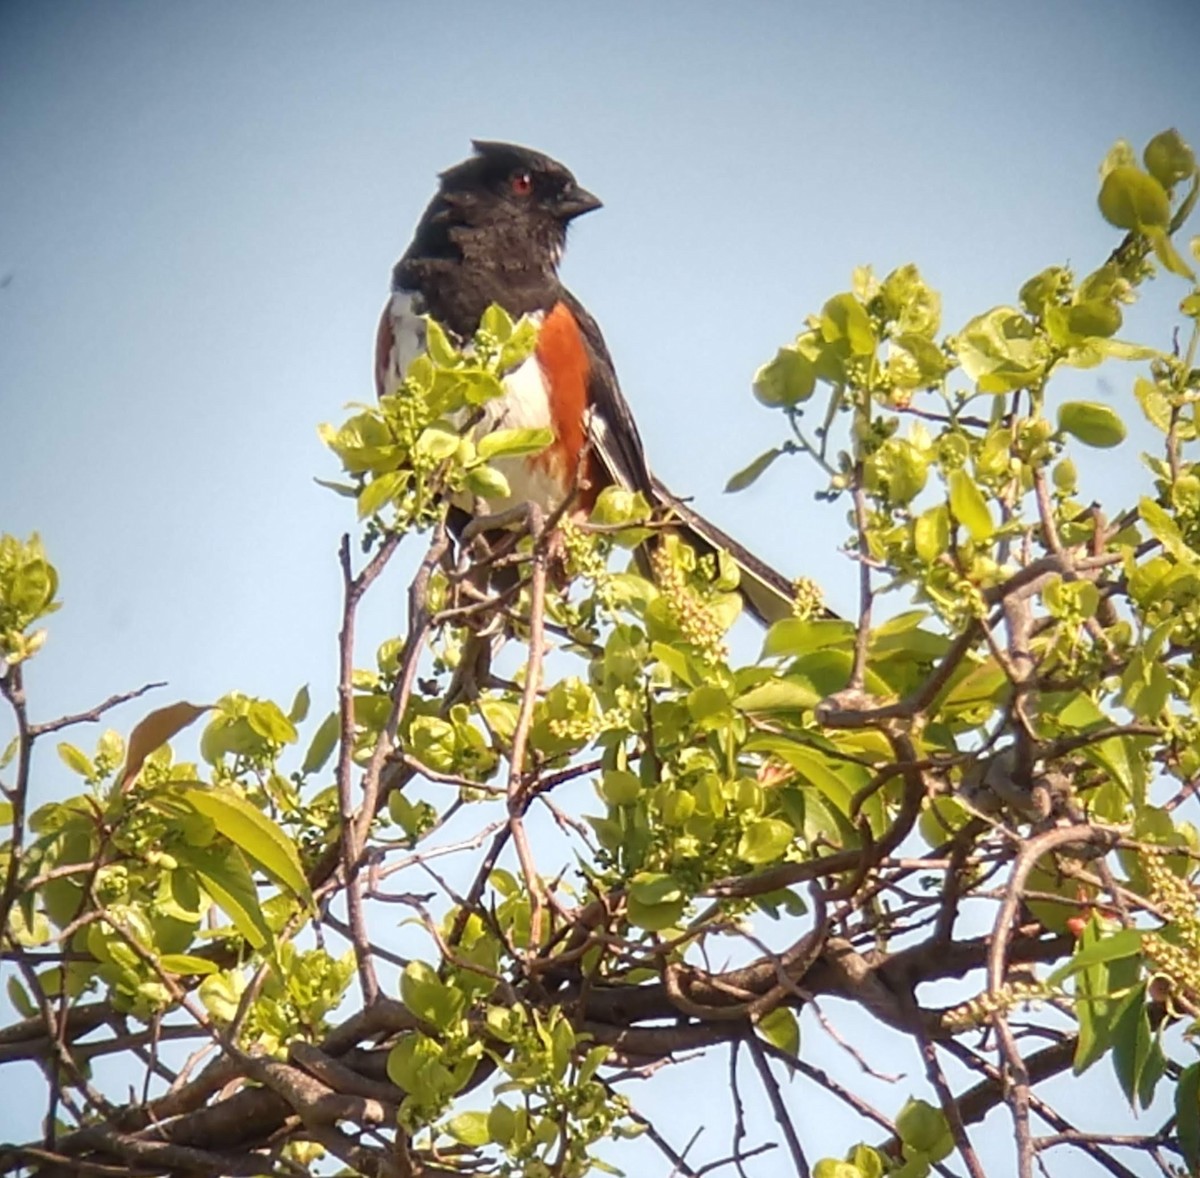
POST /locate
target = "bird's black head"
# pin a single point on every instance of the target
(506, 205)
(503, 181)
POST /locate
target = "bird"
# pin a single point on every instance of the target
(495, 232)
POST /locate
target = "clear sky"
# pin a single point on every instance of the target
(200, 205)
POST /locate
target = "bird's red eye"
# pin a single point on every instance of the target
(522, 183)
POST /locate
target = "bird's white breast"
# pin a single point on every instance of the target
(524, 405)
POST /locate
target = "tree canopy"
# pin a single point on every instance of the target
(464, 921)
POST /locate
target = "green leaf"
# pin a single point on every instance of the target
(969, 506)
(1165, 530)
(845, 319)
(1168, 158)
(656, 901)
(253, 832)
(751, 473)
(301, 702)
(501, 1123)
(652, 887)
(1132, 199)
(1125, 943)
(19, 997)
(1093, 424)
(1187, 1116)
(469, 1128)
(223, 873)
(511, 443)
(487, 483)
(428, 997)
(436, 444)
(497, 322)
(835, 1168)
(619, 787)
(76, 760)
(185, 964)
(1154, 403)
(267, 719)
(765, 840)
(786, 380)
(323, 743)
(381, 490)
(780, 1029)
(783, 694)
(791, 636)
(1132, 1040)
(1001, 350)
(924, 1129)
(655, 917)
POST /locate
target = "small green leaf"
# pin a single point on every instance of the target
(1165, 530)
(765, 840)
(751, 473)
(969, 506)
(76, 760)
(619, 787)
(428, 997)
(381, 490)
(488, 483)
(650, 887)
(267, 719)
(437, 343)
(185, 964)
(323, 743)
(780, 1029)
(511, 443)
(436, 444)
(844, 318)
(497, 322)
(1093, 424)
(655, 917)
(301, 702)
(1001, 350)
(1168, 158)
(786, 380)
(1132, 199)
(19, 997)
(469, 1128)
(501, 1123)
(924, 1129)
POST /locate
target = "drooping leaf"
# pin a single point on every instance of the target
(780, 1029)
(251, 830)
(153, 732)
(224, 875)
(969, 506)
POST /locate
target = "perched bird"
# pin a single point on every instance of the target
(494, 233)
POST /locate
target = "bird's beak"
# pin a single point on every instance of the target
(575, 202)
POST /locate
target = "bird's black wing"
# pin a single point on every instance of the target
(613, 433)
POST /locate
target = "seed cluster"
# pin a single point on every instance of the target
(696, 622)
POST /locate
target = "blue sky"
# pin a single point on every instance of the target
(200, 205)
